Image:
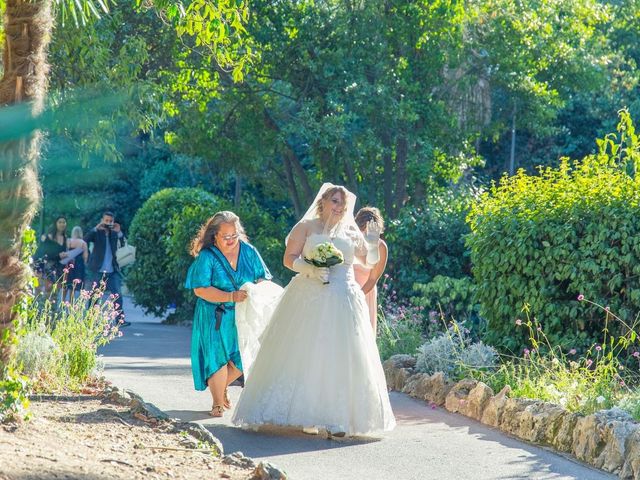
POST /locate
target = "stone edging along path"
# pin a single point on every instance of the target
(608, 440)
(149, 412)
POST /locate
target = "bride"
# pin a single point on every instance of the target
(318, 366)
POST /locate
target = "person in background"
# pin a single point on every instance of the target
(51, 251)
(76, 260)
(106, 236)
(367, 277)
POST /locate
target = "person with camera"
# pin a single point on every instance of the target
(103, 265)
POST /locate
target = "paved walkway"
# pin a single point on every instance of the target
(152, 359)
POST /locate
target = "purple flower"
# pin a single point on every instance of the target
(518, 321)
(77, 281)
(572, 351)
(580, 297)
(589, 362)
(598, 348)
(622, 384)
(636, 354)
(526, 352)
(607, 309)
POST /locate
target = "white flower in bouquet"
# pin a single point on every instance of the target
(325, 254)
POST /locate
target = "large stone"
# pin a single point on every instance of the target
(268, 471)
(600, 439)
(563, 441)
(631, 467)
(432, 388)
(541, 422)
(492, 414)
(477, 401)
(457, 398)
(397, 371)
(402, 361)
(515, 419)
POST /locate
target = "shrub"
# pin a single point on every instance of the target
(454, 354)
(150, 278)
(428, 241)
(546, 239)
(36, 352)
(450, 298)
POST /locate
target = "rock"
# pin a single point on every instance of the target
(600, 439)
(397, 371)
(402, 361)
(239, 460)
(437, 388)
(514, 418)
(268, 471)
(563, 441)
(631, 466)
(492, 414)
(457, 398)
(201, 433)
(477, 401)
(544, 421)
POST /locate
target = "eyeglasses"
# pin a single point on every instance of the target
(226, 238)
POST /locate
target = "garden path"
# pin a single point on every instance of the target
(153, 360)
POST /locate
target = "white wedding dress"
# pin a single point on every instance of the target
(318, 363)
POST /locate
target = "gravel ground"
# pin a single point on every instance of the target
(90, 437)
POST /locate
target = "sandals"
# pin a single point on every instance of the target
(227, 402)
(217, 411)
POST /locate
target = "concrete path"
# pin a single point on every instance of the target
(152, 359)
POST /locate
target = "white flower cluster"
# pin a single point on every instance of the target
(325, 254)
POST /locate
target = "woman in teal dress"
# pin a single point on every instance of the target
(224, 261)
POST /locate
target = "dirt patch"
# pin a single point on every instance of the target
(89, 437)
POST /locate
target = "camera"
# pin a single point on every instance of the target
(108, 226)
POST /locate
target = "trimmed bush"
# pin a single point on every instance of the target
(154, 277)
(544, 240)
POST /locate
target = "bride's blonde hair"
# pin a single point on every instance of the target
(328, 194)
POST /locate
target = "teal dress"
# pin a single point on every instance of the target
(212, 349)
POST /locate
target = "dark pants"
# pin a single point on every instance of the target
(113, 284)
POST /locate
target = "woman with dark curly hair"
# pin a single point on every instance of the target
(224, 260)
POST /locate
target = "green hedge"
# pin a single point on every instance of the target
(543, 240)
(162, 231)
(154, 278)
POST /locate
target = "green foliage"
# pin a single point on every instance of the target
(428, 241)
(151, 278)
(585, 383)
(450, 298)
(546, 239)
(400, 325)
(14, 400)
(59, 348)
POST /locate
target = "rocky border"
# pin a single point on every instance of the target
(608, 440)
(150, 413)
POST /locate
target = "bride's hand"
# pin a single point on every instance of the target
(372, 233)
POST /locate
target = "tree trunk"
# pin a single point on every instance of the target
(237, 194)
(27, 32)
(291, 184)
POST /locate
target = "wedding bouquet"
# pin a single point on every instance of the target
(324, 254)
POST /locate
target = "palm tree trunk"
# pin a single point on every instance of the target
(27, 27)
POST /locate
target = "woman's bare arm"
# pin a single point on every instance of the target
(297, 237)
